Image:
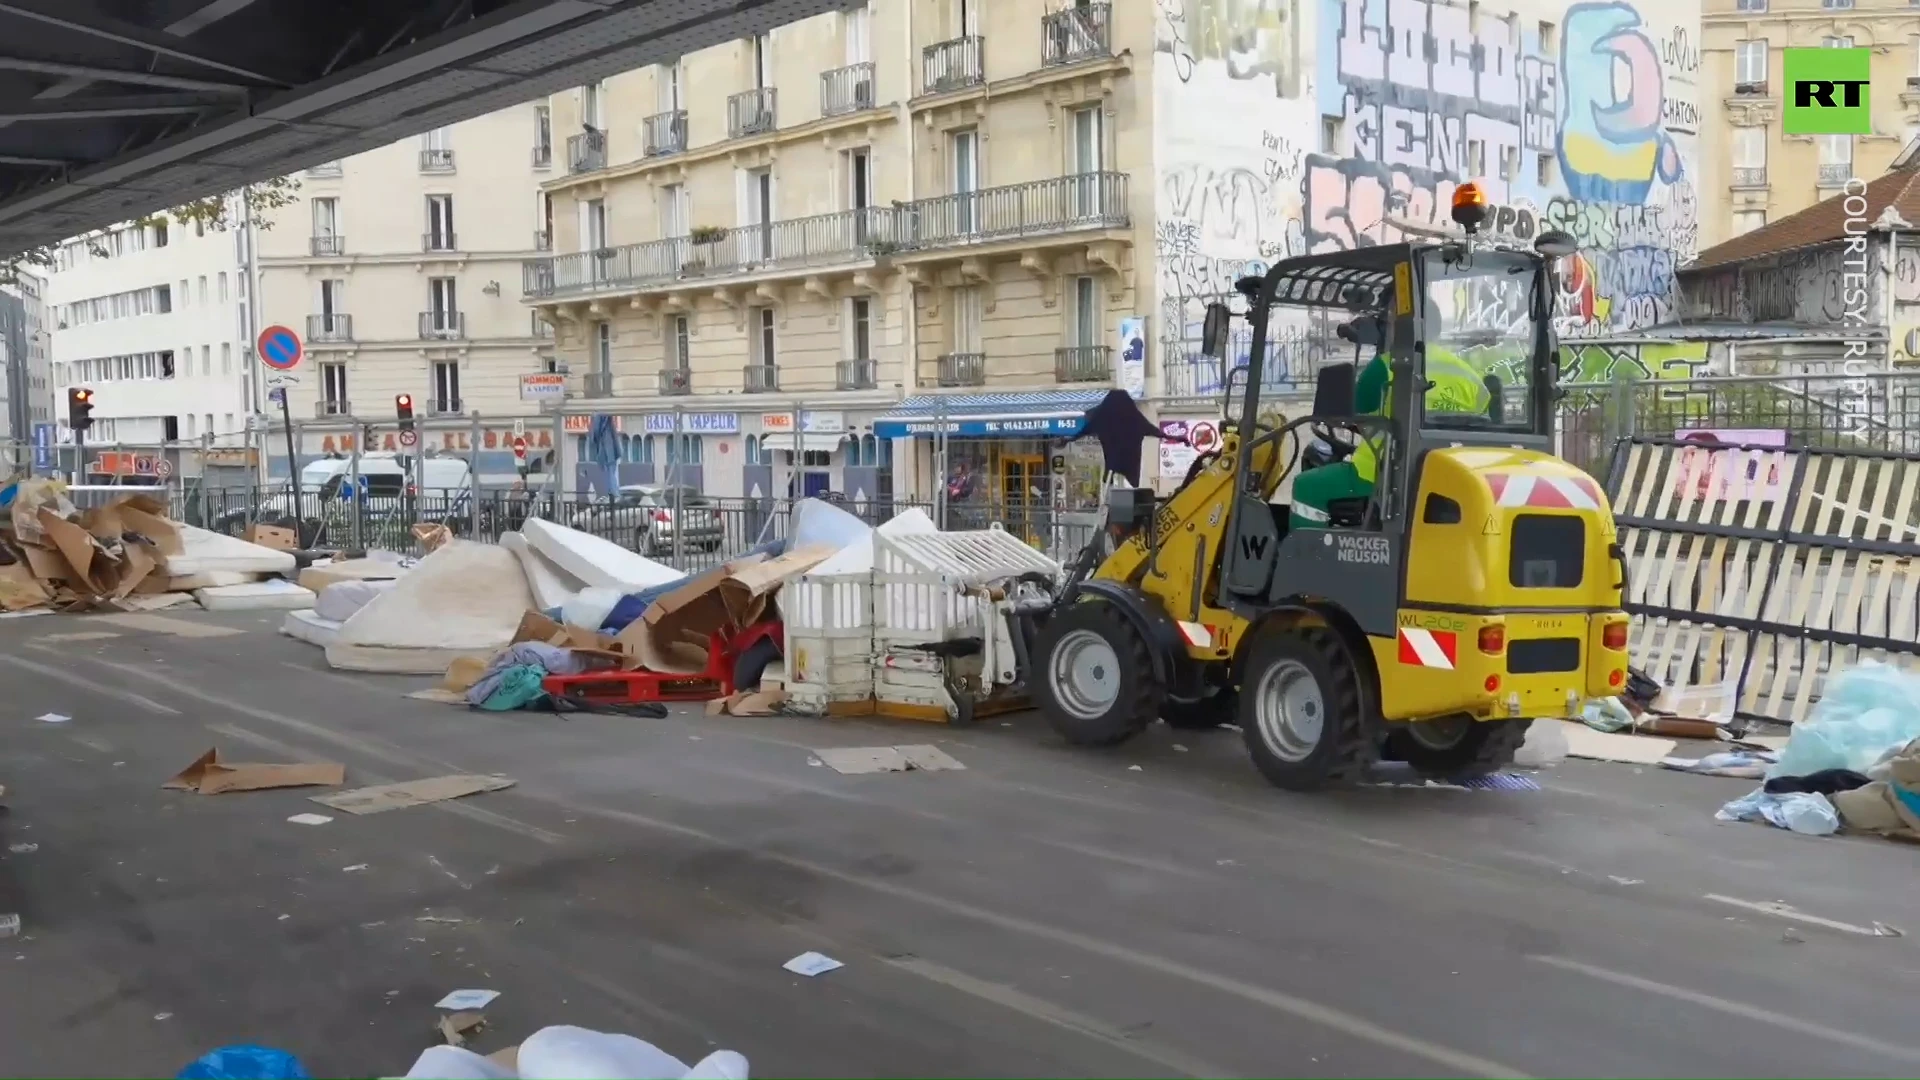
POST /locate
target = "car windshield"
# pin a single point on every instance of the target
(1480, 343)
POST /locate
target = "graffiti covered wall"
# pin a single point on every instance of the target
(1290, 125)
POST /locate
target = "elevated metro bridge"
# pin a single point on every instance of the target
(110, 109)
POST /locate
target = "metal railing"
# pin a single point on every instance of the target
(1061, 204)
(436, 161)
(1075, 34)
(543, 156)
(332, 406)
(328, 246)
(961, 369)
(751, 112)
(443, 325)
(953, 65)
(762, 378)
(1083, 363)
(862, 374)
(324, 170)
(335, 327)
(847, 236)
(586, 151)
(597, 384)
(443, 405)
(543, 241)
(664, 133)
(675, 382)
(438, 241)
(1834, 174)
(1746, 176)
(847, 89)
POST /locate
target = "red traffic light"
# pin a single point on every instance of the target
(403, 401)
(82, 396)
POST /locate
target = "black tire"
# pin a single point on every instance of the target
(1347, 745)
(1138, 699)
(750, 666)
(1484, 746)
(1203, 715)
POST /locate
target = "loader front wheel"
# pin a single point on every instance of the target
(1096, 684)
(1301, 712)
(1456, 748)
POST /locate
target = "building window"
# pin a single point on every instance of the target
(440, 223)
(673, 211)
(590, 111)
(1086, 313)
(446, 387)
(763, 345)
(326, 218)
(1750, 5)
(542, 136)
(1745, 221)
(860, 324)
(442, 303)
(1750, 62)
(226, 358)
(333, 387)
(603, 348)
(223, 287)
(681, 355)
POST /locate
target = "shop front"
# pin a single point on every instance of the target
(1001, 457)
(690, 448)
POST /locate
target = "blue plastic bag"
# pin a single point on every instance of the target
(1864, 713)
(245, 1063)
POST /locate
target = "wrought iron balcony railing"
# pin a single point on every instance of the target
(329, 328)
(586, 151)
(1061, 204)
(443, 325)
(665, 133)
(847, 90)
(436, 161)
(751, 112)
(953, 65)
(1075, 34)
(962, 369)
(861, 374)
(762, 378)
(1083, 363)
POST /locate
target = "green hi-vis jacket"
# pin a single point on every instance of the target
(1457, 388)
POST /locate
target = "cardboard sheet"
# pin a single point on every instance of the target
(208, 775)
(1584, 742)
(384, 797)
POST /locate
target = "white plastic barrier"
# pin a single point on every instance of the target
(828, 613)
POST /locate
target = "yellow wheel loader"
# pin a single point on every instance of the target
(1437, 579)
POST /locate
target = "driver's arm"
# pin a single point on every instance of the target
(1370, 389)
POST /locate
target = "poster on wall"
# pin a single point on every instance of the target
(1181, 441)
(1732, 463)
(1133, 356)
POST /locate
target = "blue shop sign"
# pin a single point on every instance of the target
(694, 423)
(1011, 427)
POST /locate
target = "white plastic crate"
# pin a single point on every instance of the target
(928, 586)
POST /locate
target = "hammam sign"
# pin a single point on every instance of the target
(451, 442)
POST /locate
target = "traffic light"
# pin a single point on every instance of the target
(79, 408)
(403, 408)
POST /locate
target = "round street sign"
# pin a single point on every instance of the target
(1203, 437)
(409, 438)
(520, 447)
(162, 468)
(279, 348)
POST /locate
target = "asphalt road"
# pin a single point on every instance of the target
(1044, 912)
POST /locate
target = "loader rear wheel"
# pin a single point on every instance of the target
(1301, 712)
(1458, 747)
(1095, 677)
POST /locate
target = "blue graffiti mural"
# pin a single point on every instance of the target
(1612, 144)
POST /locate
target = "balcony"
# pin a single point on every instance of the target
(962, 369)
(438, 241)
(325, 170)
(849, 236)
(1083, 363)
(335, 328)
(1063, 204)
(1746, 176)
(1835, 174)
(750, 112)
(1752, 88)
(846, 90)
(762, 378)
(597, 384)
(665, 133)
(436, 161)
(953, 65)
(543, 241)
(856, 375)
(443, 325)
(332, 406)
(443, 405)
(1076, 34)
(1195, 376)
(586, 151)
(543, 157)
(328, 246)
(675, 382)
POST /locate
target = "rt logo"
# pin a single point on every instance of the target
(1827, 92)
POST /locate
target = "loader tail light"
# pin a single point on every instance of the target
(1492, 684)
(1493, 640)
(1616, 677)
(1614, 636)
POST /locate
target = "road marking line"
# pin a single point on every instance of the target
(161, 624)
(60, 675)
(1301, 1008)
(1040, 1009)
(1769, 1017)
(1787, 911)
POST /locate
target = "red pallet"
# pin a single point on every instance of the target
(637, 687)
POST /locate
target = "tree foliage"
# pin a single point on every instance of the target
(214, 212)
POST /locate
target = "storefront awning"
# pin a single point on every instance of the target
(1032, 414)
(824, 442)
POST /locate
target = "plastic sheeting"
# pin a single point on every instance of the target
(273, 594)
(465, 599)
(592, 560)
(204, 552)
(1864, 715)
(563, 1052)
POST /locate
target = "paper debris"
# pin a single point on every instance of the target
(455, 1027)
(440, 695)
(9, 926)
(449, 919)
(163, 1016)
(208, 775)
(53, 718)
(1135, 768)
(811, 964)
(854, 760)
(464, 1000)
(309, 819)
(383, 797)
(23, 849)
(1584, 742)
(355, 866)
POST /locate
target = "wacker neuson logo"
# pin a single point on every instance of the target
(1827, 92)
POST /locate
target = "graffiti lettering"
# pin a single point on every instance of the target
(1255, 39)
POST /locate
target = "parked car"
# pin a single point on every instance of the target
(645, 514)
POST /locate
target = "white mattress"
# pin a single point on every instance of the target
(593, 560)
(276, 594)
(205, 552)
(309, 627)
(465, 599)
(212, 579)
(551, 585)
(341, 600)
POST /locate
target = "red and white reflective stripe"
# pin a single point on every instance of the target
(1197, 635)
(1548, 492)
(1429, 648)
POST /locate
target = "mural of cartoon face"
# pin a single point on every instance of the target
(1612, 145)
